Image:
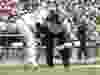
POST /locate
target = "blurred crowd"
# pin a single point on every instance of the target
(72, 23)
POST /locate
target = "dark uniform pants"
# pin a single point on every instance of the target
(82, 38)
(50, 46)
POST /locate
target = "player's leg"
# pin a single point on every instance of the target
(32, 56)
(75, 51)
(91, 52)
(66, 51)
(49, 50)
(91, 56)
(31, 49)
(81, 50)
(74, 56)
(66, 57)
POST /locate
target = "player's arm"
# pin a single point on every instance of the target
(25, 30)
(68, 29)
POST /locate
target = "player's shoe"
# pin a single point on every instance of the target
(57, 60)
(74, 61)
(82, 61)
(34, 66)
(91, 60)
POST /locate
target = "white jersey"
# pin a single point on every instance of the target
(29, 20)
(31, 50)
(25, 29)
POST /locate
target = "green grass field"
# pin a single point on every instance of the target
(73, 69)
(93, 69)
